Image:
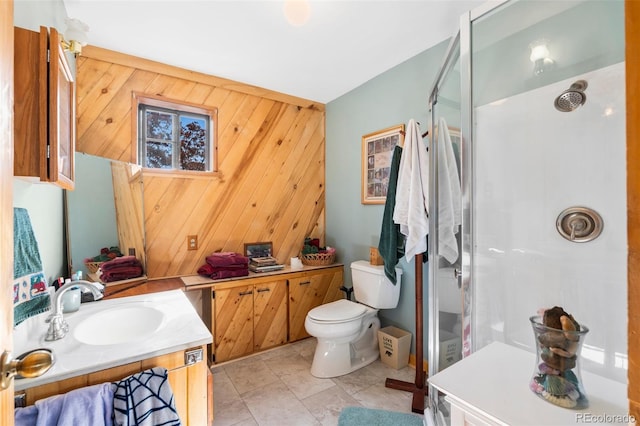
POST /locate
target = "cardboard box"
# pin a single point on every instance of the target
(450, 349)
(394, 346)
(374, 256)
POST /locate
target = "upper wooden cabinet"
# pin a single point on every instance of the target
(44, 117)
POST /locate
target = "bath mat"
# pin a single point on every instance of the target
(360, 416)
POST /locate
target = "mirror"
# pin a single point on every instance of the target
(104, 210)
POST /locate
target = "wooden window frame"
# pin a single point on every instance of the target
(171, 104)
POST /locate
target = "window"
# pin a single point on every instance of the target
(174, 136)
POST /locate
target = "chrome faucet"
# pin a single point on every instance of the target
(58, 327)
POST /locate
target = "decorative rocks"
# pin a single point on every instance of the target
(556, 377)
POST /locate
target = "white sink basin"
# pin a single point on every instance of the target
(113, 332)
(118, 325)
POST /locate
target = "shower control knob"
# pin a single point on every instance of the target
(579, 224)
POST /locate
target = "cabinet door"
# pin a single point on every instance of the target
(307, 292)
(61, 116)
(233, 322)
(269, 314)
(44, 139)
(30, 79)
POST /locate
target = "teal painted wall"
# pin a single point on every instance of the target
(392, 98)
(43, 201)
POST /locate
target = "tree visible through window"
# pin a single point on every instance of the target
(174, 138)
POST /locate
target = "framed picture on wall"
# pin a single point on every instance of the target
(377, 151)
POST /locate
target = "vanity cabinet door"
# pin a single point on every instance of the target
(44, 119)
(193, 393)
(233, 335)
(269, 314)
(312, 289)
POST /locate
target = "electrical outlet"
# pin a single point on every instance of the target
(192, 242)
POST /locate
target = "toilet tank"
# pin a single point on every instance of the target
(372, 287)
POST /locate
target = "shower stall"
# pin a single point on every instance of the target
(533, 94)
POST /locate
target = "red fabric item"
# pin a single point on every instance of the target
(230, 274)
(118, 262)
(223, 272)
(227, 259)
(123, 273)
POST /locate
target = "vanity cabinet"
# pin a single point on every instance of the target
(44, 116)
(249, 317)
(191, 384)
(262, 311)
(311, 289)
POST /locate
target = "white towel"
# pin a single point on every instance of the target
(449, 196)
(412, 193)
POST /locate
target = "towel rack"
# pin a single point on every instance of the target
(418, 388)
(424, 135)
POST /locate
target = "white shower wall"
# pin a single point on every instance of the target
(532, 162)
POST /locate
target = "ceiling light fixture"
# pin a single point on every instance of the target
(297, 12)
(75, 36)
(540, 56)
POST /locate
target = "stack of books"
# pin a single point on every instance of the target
(264, 264)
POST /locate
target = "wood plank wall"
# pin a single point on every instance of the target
(270, 156)
(632, 30)
(127, 194)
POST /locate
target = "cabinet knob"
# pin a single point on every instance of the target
(245, 293)
(262, 290)
(305, 282)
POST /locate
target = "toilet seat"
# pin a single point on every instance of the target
(336, 312)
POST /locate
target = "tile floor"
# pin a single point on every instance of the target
(276, 388)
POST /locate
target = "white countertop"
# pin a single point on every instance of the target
(494, 382)
(180, 328)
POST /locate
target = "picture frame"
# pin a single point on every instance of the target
(377, 152)
(260, 249)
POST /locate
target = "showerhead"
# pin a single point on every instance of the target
(572, 99)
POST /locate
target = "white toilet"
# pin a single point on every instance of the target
(347, 332)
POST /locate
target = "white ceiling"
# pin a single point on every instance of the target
(342, 45)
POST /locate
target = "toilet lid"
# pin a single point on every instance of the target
(340, 310)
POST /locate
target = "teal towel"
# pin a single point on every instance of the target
(360, 416)
(30, 290)
(391, 245)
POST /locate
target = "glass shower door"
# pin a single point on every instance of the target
(445, 295)
(534, 160)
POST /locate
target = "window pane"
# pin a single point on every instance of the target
(193, 143)
(159, 155)
(175, 137)
(159, 125)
